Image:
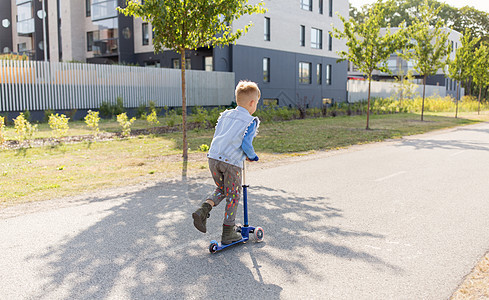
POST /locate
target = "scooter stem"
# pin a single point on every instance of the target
(245, 196)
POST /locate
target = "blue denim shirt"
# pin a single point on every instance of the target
(233, 137)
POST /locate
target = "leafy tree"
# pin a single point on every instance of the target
(430, 45)
(368, 47)
(183, 25)
(480, 70)
(460, 68)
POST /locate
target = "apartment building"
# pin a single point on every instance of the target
(289, 51)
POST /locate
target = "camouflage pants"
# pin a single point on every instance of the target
(228, 186)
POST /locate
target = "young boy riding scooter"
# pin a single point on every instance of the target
(231, 145)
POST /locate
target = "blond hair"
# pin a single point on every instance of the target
(247, 91)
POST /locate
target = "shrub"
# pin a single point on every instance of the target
(173, 118)
(2, 127)
(152, 118)
(109, 110)
(92, 119)
(152, 106)
(59, 124)
(125, 123)
(23, 128)
(200, 116)
(214, 115)
(204, 148)
(141, 111)
(47, 113)
(27, 115)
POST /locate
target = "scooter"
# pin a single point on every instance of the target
(244, 229)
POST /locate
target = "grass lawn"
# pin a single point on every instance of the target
(36, 174)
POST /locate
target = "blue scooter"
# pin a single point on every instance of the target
(244, 229)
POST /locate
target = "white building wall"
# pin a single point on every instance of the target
(286, 16)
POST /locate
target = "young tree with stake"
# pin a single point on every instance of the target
(430, 47)
(369, 48)
(183, 25)
(480, 70)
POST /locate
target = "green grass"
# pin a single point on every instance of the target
(34, 174)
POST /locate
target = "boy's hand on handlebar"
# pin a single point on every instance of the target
(254, 159)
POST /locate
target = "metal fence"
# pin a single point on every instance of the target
(36, 85)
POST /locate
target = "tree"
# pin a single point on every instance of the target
(460, 68)
(368, 47)
(480, 70)
(430, 45)
(183, 25)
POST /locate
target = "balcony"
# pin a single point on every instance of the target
(26, 27)
(18, 2)
(106, 47)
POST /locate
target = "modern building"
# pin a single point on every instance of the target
(289, 51)
(399, 66)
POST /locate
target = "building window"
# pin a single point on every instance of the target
(303, 36)
(208, 63)
(103, 9)
(145, 34)
(316, 38)
(266, 69)
(152, 64)
(330, 42)
(90, 41)
(305, 72)
(330, 8)
(328, 74)
(319, 73)
(88, 8)
(22, 47)
(320, 6)
(267, 29)
(306, 5)
(176, 63)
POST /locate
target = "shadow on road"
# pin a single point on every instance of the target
(419, 144)
(145, 246)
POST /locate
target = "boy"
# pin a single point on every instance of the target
(231, 145)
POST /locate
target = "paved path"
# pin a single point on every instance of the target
(405, 219)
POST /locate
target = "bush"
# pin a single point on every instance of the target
(200, 116)
(204, 148)
(2, 128)
(141, 111)
(152, 118)
(47, 113)
(59, 124)
(23, 128)
(109, 110)
(92, 119)
(125, 123)
(173, 118)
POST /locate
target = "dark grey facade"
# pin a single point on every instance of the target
(6, 27)
(284, 84)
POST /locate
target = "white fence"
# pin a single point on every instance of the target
(358, 90)
(35, 85)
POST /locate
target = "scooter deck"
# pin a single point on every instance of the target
(216, 246)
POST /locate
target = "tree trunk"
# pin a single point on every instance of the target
(424, 91)
(368, 101)
(479, 105)
(184, 116)
(456, 99)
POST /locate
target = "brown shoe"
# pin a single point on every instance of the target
(229, 235)
(200, 217)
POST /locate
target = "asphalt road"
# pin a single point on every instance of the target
(405, 219)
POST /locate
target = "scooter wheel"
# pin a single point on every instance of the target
(213, 247)
(259, 234)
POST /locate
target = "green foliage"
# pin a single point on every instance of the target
(200, 116)
(184, 25)
(152, 107)
(92, 119)
(204, 148)
(152, 118)
(125, 123)
(368, 48)
(27, 115)
(47, 113)
(109, 110)
(2, 128)
(59, 124)
(141, 111)
(172, 118)
(23, 128)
